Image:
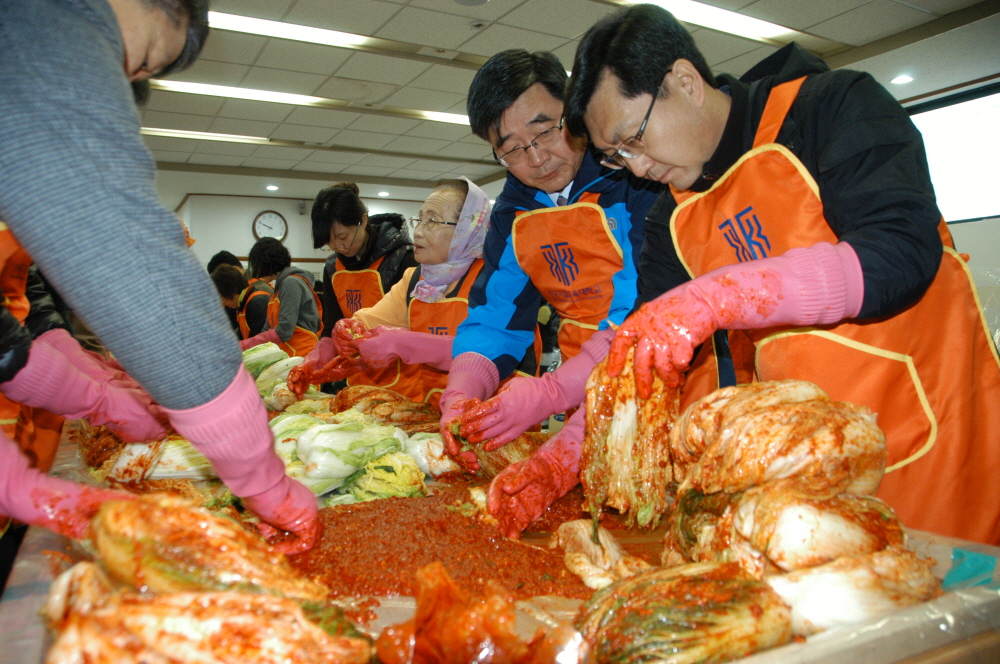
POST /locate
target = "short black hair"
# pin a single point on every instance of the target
(638, 45)
(340, 203)
(268, 256)
(196, 11)
(229, 281)
(503, 79)
(223, 258)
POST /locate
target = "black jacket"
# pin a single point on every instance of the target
(865, 154)
(386, 238)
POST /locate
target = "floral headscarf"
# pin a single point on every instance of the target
(466, 246)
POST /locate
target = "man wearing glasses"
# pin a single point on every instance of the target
(801, 203)
(564, 230)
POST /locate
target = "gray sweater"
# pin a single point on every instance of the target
(298, 303)
(77, 190)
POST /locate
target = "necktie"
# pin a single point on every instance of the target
(561, 200)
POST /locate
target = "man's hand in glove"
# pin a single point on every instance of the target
(472, 378)
(345, 334)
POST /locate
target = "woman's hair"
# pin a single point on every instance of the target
(460, 187)
(196, 11)
(229, 281)
(268, 256)
(340, 203)
(223, 258)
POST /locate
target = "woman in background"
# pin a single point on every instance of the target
(293, 311)
(247, 299)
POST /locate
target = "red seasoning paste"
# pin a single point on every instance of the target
(375, 549)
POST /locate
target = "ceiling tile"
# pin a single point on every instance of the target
(246, 109)
(797, 14)
(168, 144)
(361, 139)
(243, 127)
(497, 38)
(371, 171)
(432, 165)
(382, 123)
(459, 108)
(466, 150)
(223, 148)
(321, 117)
(213, 73)
(269, 9)
(719, 47)
(445, 78)
(473, 171)
(732, 5)
(334, 157)
(867, 23)
(566, 53)
(234, 47)
(161, 120)
(940, 7)
(298, 56)
(566, 18)
(444, 131)
(276, 164)
(179, 102)
(411, 174)
(279, 80)
(281, 152)
(361, 17)
(383, 161)
(424, 100)
(741, 64)
(490, 11)
(319, 167)
(176, 157)
(414, 145)
(290, 132)
(381, 68)
(420, 26)
(215, 160)
(353, 90)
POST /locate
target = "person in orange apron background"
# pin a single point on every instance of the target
(227, 258)
(294, 312)
(565, 231)
(246, 298)
(801, 215)
(370, 255)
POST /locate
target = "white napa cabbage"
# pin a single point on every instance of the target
(260, 357)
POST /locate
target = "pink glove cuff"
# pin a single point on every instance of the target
(563, 450)
(322, 353)
(598, 345)
(48, 381)
(472, 376)
(231, 431)
(820, 284)
(410, 347)
(267, 336)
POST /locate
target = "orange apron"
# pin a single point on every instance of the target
(361, 289)
(303, 340)
(241, 317)
(931, 372)
(571, 257)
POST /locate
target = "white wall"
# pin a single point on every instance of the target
(981, 240)
(224, 223)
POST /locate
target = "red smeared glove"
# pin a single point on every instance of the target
(31, 496)
(818, 285)
(524, 490)
(384, 345)
(231, 431)
(49, 381)
(345, 333)
(265, 337)
(301, 376)
(526, 401)
(473, 377)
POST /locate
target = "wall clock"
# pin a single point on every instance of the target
(270, 224)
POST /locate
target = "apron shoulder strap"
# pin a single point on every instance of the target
(778, 103)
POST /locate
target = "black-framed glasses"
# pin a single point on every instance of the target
(517, 156)
(430, 224)
(328, 249)
(632, 147)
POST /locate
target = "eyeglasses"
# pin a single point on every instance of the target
(517, 156)
(430, 224)
(327, 249)
(631, 148)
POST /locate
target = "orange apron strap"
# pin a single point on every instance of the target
(778, 103)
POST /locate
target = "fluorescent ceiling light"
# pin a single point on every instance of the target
(299, 100)
(304, 33)
(272, 187)
(203, 135)
(383, 194)
(723, 20)
(901, 79)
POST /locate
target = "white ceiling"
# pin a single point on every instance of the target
(941, 43)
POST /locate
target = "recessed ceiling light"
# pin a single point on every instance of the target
(492, 201)
(272, 187)
(383, 194)
(901, 79)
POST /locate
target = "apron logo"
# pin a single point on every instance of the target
(353, 299)
(438, 330)
(562, 262)
(743, 233)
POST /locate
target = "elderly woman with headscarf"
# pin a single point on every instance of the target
(416, 321)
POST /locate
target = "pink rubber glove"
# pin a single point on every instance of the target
(524, 490)
(301, 376)
(345, 332)
(49, 381)
(818, 285)
(265, 337)
(31, 496)
(385, 345)
(231, 431)
(473, 377)
(321, 353)
(525, 401)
